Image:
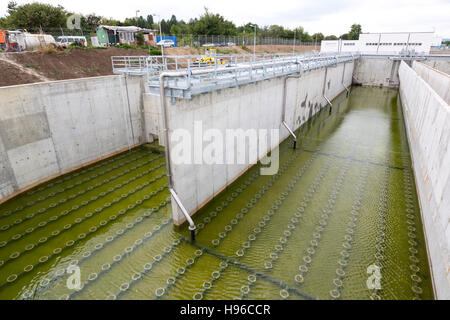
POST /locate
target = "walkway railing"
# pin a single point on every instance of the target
(197, 75)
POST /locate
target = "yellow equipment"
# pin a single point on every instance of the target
(209, 59)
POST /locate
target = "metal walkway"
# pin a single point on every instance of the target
(193, 78)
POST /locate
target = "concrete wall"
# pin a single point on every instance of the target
(376, 72)
(252, 106)
(441, 65)
(427, 119)
(439, 81)
(47, 129)
(371, 71)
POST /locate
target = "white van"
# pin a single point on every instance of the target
(65, 41)
(166, 43)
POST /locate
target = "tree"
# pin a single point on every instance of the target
(176, 30)
(150, 22)
(276, 31)
(213, 24)
(12, 5)
(110, 22)
(332, 37)
(35, 15)
(140, 38)
(355, 31)
(317, 37)
(93, 21)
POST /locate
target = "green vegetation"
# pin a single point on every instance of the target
(223, 51)
(31, 66)
(55, 73)
(35, 16)
(140, 38)
(73, 46)
(124, 46)
(355, 31)
(155, 52)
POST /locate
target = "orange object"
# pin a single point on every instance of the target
(2, 36)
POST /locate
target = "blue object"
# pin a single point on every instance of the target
(173, 38)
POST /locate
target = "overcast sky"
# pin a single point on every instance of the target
(326, 16)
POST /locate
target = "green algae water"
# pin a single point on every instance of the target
(340, 220)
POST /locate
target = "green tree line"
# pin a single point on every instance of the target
(35, 16)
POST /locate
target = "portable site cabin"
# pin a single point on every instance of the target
(111, 35)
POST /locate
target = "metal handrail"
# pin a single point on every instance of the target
(237, 70)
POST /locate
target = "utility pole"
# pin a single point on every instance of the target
(160, 33)
(137, 24)
(254, 42)
(293, 49)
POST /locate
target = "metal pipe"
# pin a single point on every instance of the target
(329, 102)
(283, 116)
(292, 133)
(192, 226)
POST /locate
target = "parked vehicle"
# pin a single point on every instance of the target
(231, 44)
(9, 41)
(166, 43)
(209, 45)
(65, 41)
(19, 40)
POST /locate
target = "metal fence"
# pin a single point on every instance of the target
(200, 40)
(190, 40)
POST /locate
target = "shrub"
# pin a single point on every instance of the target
(223, 51)
(124, 46)
(48, 49)
(140, 38)
(155, 52)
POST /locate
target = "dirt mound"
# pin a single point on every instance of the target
(74, 64)
(11, 75)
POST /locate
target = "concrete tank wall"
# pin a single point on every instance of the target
(252, 106)
(441, 65)
(427, 119)
(47, 129)
(373, 71)
(439, 81)
(376, 72)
